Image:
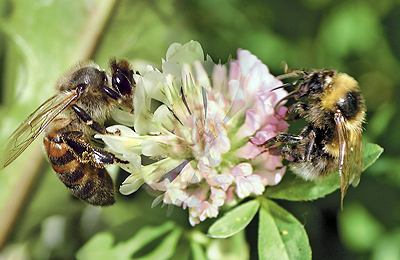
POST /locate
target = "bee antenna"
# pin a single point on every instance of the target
(290, 95)
(292, 74)
(289, 84)
(285, 67)
(284, 86)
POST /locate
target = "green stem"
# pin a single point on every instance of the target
(20, 193)
(93, 30)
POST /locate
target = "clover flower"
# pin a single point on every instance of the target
(193, 121)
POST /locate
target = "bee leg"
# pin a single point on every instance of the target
(86, 152)
(310, 145)
(85, 117)
(296, 111)
(285, 152)
(102, 156)
(113, 94)
(123, 86)
(307, 136)
(282, 138)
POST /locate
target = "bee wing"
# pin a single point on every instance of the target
(351, 160)
(356, 158)
(30, 129)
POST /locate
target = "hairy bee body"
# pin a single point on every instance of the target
(85, 178)
(334, 109)
(86, 96)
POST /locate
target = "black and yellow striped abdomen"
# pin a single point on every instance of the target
(86, 180)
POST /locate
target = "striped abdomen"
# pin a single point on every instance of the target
(87, 180)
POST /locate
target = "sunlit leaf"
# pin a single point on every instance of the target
(234, 248)
(235, 220)
(100, 246)
(166, 248)
(371, 154)
(103, 244)
(281, 236)
(295, 188)
(197, 251)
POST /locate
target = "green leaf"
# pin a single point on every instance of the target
(233, 248)
(102, 246)
(197, 251)
(280, 235)
(166, 248)
(203, 247)
(297, 189)
(371, 153)
(235, 220)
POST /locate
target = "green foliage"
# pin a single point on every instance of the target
(39, 40)
(280, 235)
(102, 245)
(234, 221)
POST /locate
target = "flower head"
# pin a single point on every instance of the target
(193, 120)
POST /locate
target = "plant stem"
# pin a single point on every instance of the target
(93, 30)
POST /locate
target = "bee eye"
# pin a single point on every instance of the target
(103, 77)
(349, 105)
(121, 83)
(315, 84)
(81, 87)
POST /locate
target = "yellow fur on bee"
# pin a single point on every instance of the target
(339, 87)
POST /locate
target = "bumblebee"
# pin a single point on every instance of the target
(85, 97)
(334, 109)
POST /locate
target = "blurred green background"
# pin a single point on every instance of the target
(40, 39)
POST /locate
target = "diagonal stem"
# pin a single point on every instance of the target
(91, 34)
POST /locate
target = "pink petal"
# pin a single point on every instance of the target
(242, 169)
(273, 177)
(234, 71)
(223, 180)
(217, 196)
(220, 79)
(251, 124)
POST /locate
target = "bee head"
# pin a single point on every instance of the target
(314, 84)
(82, 76)
(122, 82)
(311, 85)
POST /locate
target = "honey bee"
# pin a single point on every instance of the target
(85, 97)
(334, 109)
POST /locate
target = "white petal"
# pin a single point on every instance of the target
(165, 117)
(202, 76)
(220, 80)
(123, 117)
(243, 187)
(131, 184)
